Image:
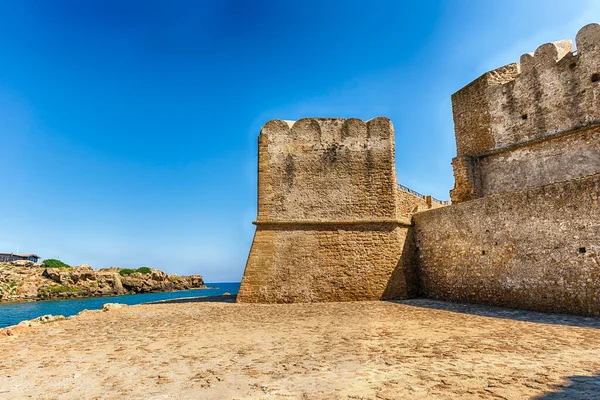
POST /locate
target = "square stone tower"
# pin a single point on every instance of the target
(331, 224)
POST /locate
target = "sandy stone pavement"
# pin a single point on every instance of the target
(418, 349)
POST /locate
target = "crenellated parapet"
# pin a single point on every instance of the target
(552, 90)
(550, 93)
(330, 169)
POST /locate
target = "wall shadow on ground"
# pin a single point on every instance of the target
(227, 298)
(578, 388)
(505, 313)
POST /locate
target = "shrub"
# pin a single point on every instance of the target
(52, 263)
(141, 270)
(9, 287)
(126, 271)
(62, 289)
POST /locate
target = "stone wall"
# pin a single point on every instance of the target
(524, 227)
(329, 263)
(332, 224)
(409, 203)
(535, 249)
(561, 158)
(555, 159)
(551, 92)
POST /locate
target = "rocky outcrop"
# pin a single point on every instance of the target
(23, 325)
(113, 306)
(26, 281)
(44, 319)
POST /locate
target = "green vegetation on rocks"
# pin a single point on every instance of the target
(141, 270)
(51, 291)
(8, 288)
(52, 263)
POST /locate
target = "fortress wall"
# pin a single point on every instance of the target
(317, 264)
(329, 226)
(535, 249)
(558, 159)
(550, 92)
(408, 203)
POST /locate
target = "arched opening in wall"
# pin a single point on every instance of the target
(596, 77)
(582, 250)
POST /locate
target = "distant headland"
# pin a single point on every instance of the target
(25, 280)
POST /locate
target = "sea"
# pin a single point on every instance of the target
(13, 313)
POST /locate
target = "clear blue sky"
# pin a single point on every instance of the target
(129, 128)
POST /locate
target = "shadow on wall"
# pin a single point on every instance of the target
(506, 313)
(578, 388)
(404, 281)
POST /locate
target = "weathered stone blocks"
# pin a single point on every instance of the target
(536, 249)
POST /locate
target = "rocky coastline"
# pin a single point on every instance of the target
(28, 281)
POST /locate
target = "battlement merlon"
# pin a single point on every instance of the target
(550, 91)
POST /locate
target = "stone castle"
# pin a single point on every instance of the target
(523, 229)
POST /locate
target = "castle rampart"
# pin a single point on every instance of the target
(534, 249)
(507, 122)
(527, 177)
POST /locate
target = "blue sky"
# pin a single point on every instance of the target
(129, 127)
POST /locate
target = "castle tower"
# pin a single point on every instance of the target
(524, 227)
(331, 220)
(530, 124)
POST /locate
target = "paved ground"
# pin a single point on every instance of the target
(417, 349)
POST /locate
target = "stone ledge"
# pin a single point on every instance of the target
(359, 222)
(557, 135)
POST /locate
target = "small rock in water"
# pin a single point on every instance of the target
(226, 294)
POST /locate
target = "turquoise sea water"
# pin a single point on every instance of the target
(13, 313)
